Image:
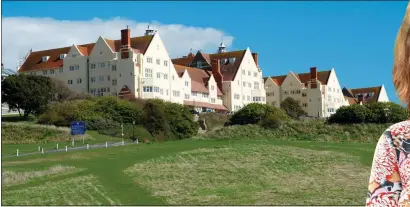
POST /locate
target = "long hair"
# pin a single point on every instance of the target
(401, 67)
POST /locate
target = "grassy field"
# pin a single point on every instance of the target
(188, 172)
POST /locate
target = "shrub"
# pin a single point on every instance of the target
(155, 119)
(253, 113)
(292, 108)
(139, 131)
(180, 120)
(214, 120)
(350, 114)
(271, 122)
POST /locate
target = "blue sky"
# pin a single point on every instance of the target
(355, 38)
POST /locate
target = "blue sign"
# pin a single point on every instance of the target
(77, 128)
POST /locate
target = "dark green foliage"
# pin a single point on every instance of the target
(292, 108)
(27, 92)
(155, 119)
(139, 132)
(253, 113)
(214, 120)
(63, 93)
(271, 122)
(381, 112)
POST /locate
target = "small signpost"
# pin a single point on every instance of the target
(77, 128)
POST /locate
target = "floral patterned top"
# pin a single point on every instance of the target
(390, 174)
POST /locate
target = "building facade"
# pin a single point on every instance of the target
(318, 93)
(140, 67)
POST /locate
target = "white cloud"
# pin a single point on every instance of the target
(20, 34)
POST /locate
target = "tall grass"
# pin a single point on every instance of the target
(308, 130)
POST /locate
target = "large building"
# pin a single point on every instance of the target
(141, 67)
(318, 92)
(365, 95)
(236, 73)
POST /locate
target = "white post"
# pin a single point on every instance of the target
(73, 143)
(87, 146)
(137, 141)
(39, 148)
(122, 142)
(17, 152)
(42, 150)
(57, 145)
(106, 144)
(66, 148)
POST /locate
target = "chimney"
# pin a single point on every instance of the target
(125, 43)
(313, 73)
(216, 72)
(255, 58)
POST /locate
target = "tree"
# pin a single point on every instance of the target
(63, 93)
(254, 113)
(27, 92)
(292, 108)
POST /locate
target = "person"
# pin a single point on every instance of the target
(389, 183)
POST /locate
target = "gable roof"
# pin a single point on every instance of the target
(354, 92)
(199, 78)
(228, 70)
(322, 76)
(34, 59)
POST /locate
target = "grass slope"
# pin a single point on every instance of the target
(219, 172)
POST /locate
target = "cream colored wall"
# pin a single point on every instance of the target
(236, 86)
(273, 95)
(102, 54)
(383, 95)
(334, 96)
(157, 50)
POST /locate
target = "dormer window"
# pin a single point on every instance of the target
(45, 58)
(223, 61)
(199, 64)
(62, 56)
(232, 60)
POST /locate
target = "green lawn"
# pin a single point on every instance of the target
(192, 172)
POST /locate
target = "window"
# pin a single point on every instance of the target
(158, 75)
(212, 100)
(45, 72)
(256, 85)
(257, 98)
(263, 98)
(330, 89)
(173, 77)
(92, 66)
(114, 82)
(61, 70)
(92, 79)
(212, 88)
(161, 91)
(219, 97)
(244, 84)
(250, 85)
(101, 53)
(243, 72)
(108, 78)
(334, 89)
(166, 76)
(101, 78)
(147, 88)
(270, 93)
(176, 93)
(304, 94)
(114, 68)
(255, 74)
(51, 72)
(186, 83)
(238, 83)
(194, 93)
(186, 96)
(165, 62)
(304, 104)
(148, 73)
(78, 80)
(101, 65)
(249, 73)
(70, 82)
(236, 96)
(199, 64)
(205, 95)
(149, 59)
(167, 92)
(156, 89)
(73, 55)
(71, 68)
(158, 62)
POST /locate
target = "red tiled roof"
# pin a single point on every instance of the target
(206, 105)
(323, 77)
(351, 93)
(34, 60)
(199, 78)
